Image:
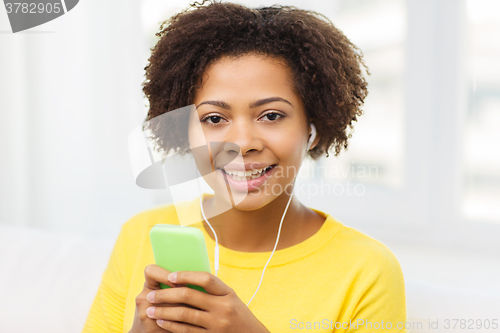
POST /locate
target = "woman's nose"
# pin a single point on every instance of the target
(245, 137)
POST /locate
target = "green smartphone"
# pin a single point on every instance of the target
(179, 248)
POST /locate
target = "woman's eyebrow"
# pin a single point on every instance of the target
(252, 105)
(220, 104)
(268, 100)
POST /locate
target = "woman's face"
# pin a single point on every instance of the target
(249, 106)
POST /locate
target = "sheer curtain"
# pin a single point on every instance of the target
(70, 93)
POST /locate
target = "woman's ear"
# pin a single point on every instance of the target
(312, 137)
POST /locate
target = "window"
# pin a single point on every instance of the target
(482, 133)
(375, 154)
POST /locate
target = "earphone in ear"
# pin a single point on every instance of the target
(312, 137)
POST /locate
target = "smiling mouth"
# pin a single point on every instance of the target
(241, 176)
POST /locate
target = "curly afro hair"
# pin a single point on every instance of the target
(326, 66)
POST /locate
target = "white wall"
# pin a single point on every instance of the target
(70, 92)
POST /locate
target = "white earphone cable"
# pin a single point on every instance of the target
(274, 249)
(216, 251)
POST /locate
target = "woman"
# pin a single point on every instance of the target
(261, 79)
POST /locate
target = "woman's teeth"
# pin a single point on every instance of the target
(247, 175)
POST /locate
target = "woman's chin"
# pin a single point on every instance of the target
(250, 201)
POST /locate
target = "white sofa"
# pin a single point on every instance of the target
(48, 281)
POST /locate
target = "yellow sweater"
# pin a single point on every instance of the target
(338, 280)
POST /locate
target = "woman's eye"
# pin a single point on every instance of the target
(212, 119)
(273, 116)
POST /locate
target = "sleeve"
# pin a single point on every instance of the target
(106, 312)
(382, 306)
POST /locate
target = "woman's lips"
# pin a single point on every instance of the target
(247, 185)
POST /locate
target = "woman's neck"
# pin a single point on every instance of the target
(256, 230)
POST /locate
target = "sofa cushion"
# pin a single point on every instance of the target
(48, 279)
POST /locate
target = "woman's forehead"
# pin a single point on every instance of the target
(249, 77)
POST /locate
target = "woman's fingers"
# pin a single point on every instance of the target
(209, 282)
(155, 275)
(172, 326)
(183, 295)
(182, 314)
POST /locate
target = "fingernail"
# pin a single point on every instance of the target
(150, 311)
(172, 277)
(159, 322)
(151, 296)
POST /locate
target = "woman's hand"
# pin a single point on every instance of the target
(220, 311)
(142, 323)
